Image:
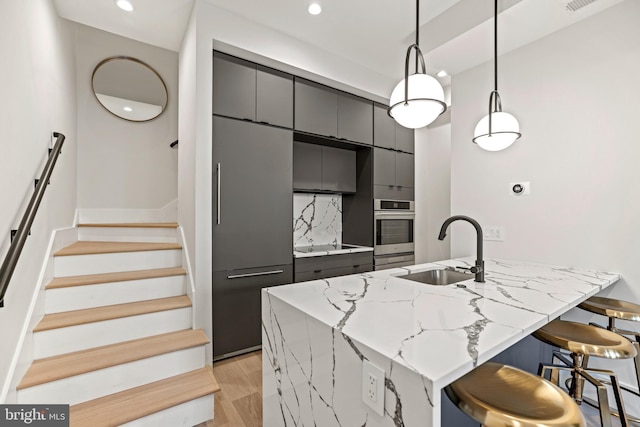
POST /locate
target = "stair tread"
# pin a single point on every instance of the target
(135, 403)
(94, 279)
(131, 224)
(68, 365)
(90, 315)
(90, 248)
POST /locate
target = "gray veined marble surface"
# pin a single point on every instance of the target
(317, 219)
(316, 335)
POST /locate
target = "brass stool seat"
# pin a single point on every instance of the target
(499, 395)
(624, 310)
(584, 341)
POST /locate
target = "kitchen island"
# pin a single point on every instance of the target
(316, 336)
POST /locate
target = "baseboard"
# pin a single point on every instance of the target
(23, 353)
(168, 213)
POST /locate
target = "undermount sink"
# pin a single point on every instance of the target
(441, 276)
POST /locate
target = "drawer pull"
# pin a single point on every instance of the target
(262, 273)
(356, 266)
(317, 271)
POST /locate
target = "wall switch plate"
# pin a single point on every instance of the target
(494, 233)
(373, 387)
(521, 188)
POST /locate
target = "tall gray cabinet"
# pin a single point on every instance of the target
(252, 237)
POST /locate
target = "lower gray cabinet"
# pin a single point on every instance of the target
(322, 267)
(236, 304)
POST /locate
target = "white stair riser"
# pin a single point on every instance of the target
(80, 337)
(76, 265)
(103, 382)
(90, 296)
(127, 234)
(188, 414)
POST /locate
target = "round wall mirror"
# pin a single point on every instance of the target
(129, 88)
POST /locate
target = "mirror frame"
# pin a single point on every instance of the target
(144, 64)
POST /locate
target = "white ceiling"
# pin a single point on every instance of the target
(455, 35)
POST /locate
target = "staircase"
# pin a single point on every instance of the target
(117, 341)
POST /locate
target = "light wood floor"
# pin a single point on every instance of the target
(239, 402)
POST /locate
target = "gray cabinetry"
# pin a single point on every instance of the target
(316, 108)
(236, 306)
(393, 175)
(355, 119)
(252, 227)
(384, 128)
(322, 168)
(321, 267)
(247, 91)
(274, 97)
(252, 195)
(234, 87)
(388, 134)
(307, 166)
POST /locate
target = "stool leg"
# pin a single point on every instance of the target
(577, 382)
(618, 395)
(603, 399)
(636, 359)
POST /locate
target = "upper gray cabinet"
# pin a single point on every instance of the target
(355, 119)
(393, 175)
(274, 97)
(325, 111)
(316, 108)
(244, 90)
(234, 87)
(388, 134)
(322, 168)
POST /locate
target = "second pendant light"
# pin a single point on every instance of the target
(497, 130)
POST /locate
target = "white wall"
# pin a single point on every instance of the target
(122, 164)
(37, 82)
(433, 189)
(575, 94)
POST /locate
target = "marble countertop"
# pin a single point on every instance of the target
(442, 332)
(334, 249)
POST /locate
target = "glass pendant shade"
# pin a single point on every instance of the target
(505, 129)
(425, 101)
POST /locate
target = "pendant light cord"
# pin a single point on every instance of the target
(495, 44)
(417, 30)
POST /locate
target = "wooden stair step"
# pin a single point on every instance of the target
(95, 279)
(68, 365)
(132, 224)
(91, 248)
(98, 314)
(135, 403)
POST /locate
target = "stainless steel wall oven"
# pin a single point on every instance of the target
(394, 233)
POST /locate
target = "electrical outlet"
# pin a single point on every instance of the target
(373, 387)
(494, 233)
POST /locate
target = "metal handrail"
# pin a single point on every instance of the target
(20, 238)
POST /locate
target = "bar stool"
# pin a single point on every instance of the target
(498, 395)
(584, 341)
(618, 309)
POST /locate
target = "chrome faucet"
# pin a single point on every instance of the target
(478, 269)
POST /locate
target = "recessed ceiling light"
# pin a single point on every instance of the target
(128, 109)
(442, 73)
(125, 5)
(315, 9)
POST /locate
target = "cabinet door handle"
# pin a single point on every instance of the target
(356, 266)
(261, 273)
(317, 271)
(218, 195)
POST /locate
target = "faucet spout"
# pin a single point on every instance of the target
(478, 269)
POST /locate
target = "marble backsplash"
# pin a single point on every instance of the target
(317, 219)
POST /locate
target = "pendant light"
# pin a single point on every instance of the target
(497, 130)
(418, 99)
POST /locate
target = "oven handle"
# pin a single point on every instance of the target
(395, 215)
